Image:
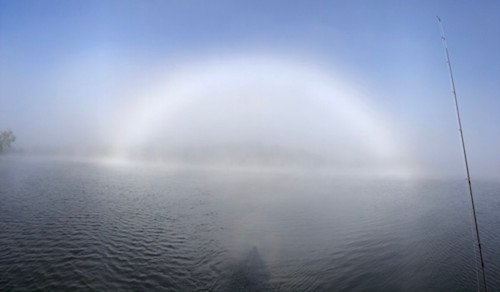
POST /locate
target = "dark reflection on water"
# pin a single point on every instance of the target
(67, 225)
(250, 274)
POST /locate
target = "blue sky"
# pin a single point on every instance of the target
(65, 65)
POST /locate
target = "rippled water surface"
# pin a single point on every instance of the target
(73, 225)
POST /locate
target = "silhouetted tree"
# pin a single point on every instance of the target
(6, 138)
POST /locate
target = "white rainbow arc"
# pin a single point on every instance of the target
(148, 113)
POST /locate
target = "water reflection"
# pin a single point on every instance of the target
(250, 274)
(81, 226)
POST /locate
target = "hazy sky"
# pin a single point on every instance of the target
(343, 80)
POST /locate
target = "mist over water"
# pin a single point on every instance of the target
(243, 107)
(251, 110)
(232, 109)
(239, 109)
(182, 146)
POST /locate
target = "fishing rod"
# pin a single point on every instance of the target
(464, 152)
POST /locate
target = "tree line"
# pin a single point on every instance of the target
(6, 139)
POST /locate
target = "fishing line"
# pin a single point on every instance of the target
(452, 81)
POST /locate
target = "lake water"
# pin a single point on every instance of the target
(76, 225)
